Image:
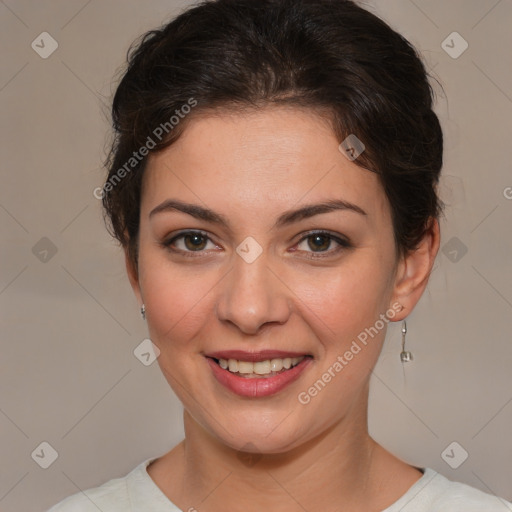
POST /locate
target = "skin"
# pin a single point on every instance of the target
(251, 167)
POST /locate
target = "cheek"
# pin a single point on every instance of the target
(175, 299)
(345, 298)
(344, 314)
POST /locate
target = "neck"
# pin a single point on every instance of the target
(335, 467)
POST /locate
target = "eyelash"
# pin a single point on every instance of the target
(343, 244)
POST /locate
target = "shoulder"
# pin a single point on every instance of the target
(434, 492)
(134, 492)
(458, 496)
(112, 496)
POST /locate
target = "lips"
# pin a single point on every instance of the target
(262, 355)
(255, 378)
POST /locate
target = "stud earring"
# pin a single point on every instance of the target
(143, 311)
(405, 356)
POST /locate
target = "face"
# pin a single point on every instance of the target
(228, 272)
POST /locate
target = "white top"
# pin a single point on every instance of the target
(137, 492)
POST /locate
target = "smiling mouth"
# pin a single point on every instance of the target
(260, 369)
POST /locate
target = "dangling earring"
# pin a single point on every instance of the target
(143, 312)
(405, 356)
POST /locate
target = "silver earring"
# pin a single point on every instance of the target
(143, 312)
(405, 356)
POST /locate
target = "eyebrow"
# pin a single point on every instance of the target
(286, 218)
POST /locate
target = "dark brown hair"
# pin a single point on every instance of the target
(330, 56)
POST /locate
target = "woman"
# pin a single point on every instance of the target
(273, 184)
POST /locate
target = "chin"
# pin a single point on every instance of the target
(260, 433)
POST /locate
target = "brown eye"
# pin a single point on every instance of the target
(194, 241)
(320, 242)
(188, 242)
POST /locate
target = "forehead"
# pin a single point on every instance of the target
(262, 161)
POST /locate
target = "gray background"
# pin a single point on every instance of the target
(68, 374)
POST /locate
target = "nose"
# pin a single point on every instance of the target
(253, 295)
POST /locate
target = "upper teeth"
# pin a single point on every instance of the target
(260, 367)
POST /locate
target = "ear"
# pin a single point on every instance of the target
(414, 270)
(133, 275)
